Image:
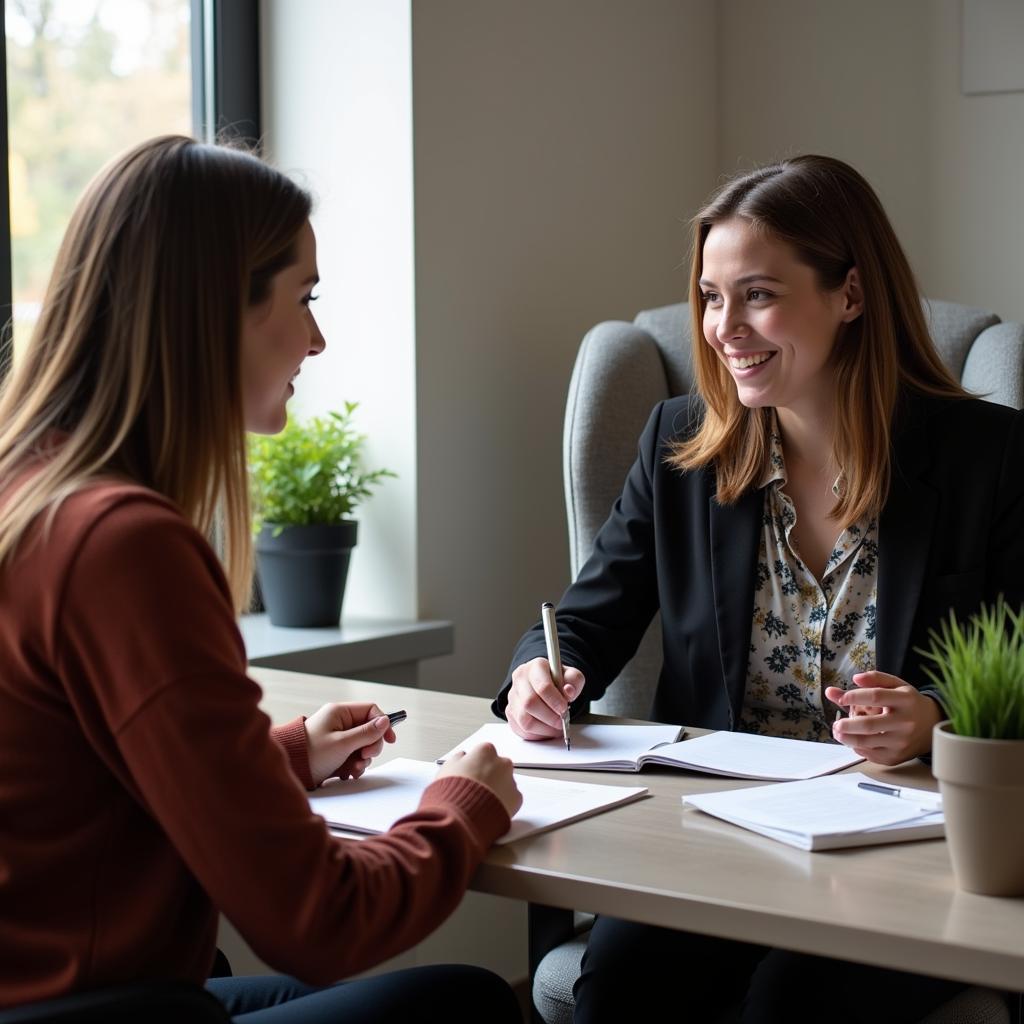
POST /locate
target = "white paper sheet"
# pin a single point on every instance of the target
(392, 790)
(746, 756)
(815, 807)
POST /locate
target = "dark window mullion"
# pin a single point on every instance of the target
(6, 284)
(225, 69)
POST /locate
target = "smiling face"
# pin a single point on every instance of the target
(277, 335)
(767, 318)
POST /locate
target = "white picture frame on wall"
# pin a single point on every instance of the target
(992, 41)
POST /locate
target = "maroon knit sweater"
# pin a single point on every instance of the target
(142, 790)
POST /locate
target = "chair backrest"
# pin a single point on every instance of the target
(623, 369)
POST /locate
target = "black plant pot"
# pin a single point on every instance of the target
(302, 572)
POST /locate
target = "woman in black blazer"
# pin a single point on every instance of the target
(826, 497)
(951, 536)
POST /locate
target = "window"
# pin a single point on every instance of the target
(85, 79)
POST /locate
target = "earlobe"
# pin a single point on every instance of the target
(853, 296)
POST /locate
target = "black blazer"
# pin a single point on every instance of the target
(951, 535)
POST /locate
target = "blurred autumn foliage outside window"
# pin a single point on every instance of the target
(85, 80)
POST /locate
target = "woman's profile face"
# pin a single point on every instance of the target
(277, 335)
(767, 318)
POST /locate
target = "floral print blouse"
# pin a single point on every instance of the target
(806, 635)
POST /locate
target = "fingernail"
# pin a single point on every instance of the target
(382, 721)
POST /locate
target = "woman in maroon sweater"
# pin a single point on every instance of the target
(141, 788)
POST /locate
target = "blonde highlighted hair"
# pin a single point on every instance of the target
(134, 363)
(834, 221)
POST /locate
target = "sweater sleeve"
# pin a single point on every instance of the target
(150, 655)
(294, 742)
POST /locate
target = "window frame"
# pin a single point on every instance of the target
(226, 75)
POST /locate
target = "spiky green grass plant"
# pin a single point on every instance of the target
(979, 672)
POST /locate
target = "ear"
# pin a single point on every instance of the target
(853, 297)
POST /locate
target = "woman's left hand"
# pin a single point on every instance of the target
(899, 720)
(343, 738)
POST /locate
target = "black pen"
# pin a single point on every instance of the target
(397, 716)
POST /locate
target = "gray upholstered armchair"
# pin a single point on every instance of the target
(622, 370)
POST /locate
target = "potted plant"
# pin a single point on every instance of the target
(978, 754)
(306, 482)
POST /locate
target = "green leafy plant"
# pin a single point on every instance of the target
(979, 672)
(309, 473)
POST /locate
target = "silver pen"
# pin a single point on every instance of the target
(547, 617)
(925, 800)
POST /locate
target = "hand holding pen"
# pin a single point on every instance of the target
(536, 704)
(344, 737)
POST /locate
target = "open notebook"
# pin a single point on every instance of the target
(627, 748)
(387, 792)
(824, 814)
(610, 748)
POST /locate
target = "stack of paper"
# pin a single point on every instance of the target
(826, 813)
(627, 748)
(387, 792)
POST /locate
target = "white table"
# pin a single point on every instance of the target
(651, 861)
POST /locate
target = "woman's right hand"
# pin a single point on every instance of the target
(535, 707)
(483, 764)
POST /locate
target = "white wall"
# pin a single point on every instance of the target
(975, 176)
(559, 147)
(337, 115)
(877, 83)
(554, 151)
(844, 80)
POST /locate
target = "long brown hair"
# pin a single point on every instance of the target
(135, 358)
(834, 221)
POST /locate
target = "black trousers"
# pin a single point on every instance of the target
(455, 994)
(630, 970)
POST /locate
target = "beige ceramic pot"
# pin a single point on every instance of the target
(982, 786)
